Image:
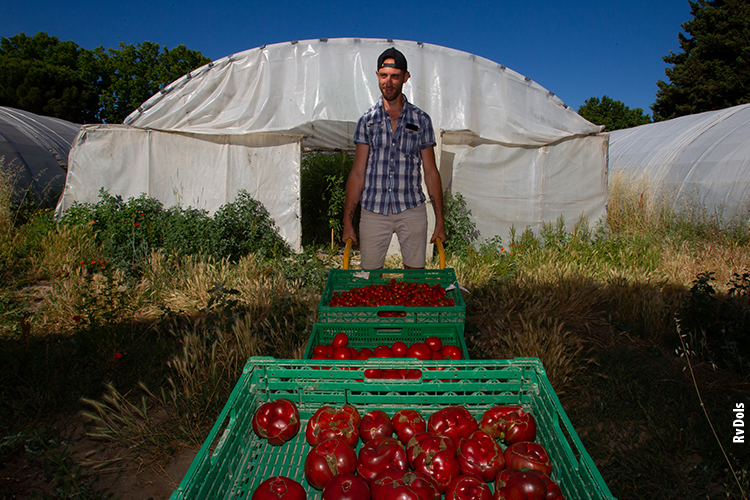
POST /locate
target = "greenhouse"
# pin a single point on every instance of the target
(34, 154)
(516, 152)
(698, 162)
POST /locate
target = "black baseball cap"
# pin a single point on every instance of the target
(398, 58)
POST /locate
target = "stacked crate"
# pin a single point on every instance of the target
(383, 325)
(233, 460)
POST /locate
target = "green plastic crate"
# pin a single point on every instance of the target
(374, 334)
(233, 460)
(341, 280)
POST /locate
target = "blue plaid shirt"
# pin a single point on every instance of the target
(393, 177)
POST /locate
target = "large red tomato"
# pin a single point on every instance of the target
(452, 352)
(480, 455)
(379, 454)
(466, 487)
(513, 484)
(329, 422)
(434, 342)
(407, 423)
(279, 488)
(399, 349)
(427, 442)
(452, 421)
(525, 455)
(346, 487)
(403, 485)
(328, 459)
(509, 423)
(434, 455)
(419, 350)
(375, 424)
(340, 340)
(277, 421)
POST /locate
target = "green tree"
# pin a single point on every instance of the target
(43, 75)
(614, 115)
(136, 72)
(713, 69)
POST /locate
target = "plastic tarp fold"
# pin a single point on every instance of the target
(317, 90)
(701, 159)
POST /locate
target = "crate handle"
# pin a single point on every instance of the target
(347, 248)
(388, 330)
(441, 253)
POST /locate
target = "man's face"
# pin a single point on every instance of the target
(391, 81)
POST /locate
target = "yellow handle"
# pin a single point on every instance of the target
(346, 253)
(441, 252)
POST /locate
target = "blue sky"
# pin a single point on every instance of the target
(575, 49)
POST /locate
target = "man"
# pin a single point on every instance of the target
(394, 140)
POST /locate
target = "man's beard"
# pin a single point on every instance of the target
(396, 94)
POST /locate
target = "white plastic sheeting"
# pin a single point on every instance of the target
(34, 151)
(702, 158)
(536, 158)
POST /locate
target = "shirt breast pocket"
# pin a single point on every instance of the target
(377, 133)
(409, 142)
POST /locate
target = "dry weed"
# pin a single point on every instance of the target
(67, 249)
(685, 261)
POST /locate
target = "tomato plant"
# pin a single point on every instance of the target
(480, 455)
(379, 454)
(467, 487)
(329, 422)
(328, 459)
(276, 421)
(279, 488)
(509, 423)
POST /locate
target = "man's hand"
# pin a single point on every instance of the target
(349, 233)
(438, 233)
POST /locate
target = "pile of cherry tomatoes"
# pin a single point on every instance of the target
(393, 293)
(431, 349)
(408, 457)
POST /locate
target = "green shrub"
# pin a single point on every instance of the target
(459, 228)
(129, 231)
(189, 231)
(126, 230)
(244, 226)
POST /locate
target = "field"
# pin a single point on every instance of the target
(115, 361)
